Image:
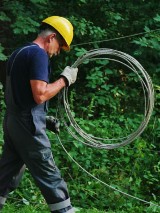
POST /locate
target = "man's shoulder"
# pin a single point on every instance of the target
(34, 49)
(29, 48)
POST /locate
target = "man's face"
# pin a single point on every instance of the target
(55, 45)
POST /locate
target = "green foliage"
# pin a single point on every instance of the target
(107, 101)
(2, 104)
(39, 209)
(4, 17)
(30, 25)
(2, 56)
(25, 209)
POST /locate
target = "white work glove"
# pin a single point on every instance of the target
(70, 74)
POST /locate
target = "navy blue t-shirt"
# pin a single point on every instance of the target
(27, 63)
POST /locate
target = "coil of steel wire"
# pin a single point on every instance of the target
(133, 65)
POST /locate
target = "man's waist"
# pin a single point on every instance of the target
(38, 109)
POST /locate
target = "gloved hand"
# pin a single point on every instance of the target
(70, 74)
(52, 124)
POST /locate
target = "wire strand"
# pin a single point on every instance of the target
(114, 39)
(111, 187)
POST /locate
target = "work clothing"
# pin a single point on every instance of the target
(26, 143)
(31, 63)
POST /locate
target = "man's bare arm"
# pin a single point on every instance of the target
(42, 91)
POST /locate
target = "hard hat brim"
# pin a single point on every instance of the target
(66, 48)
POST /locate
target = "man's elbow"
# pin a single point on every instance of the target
(39, 99)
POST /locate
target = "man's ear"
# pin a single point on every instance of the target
(51, 37)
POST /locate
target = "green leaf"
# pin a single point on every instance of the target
(4, 17)
(2, 56)
(157, 18)
(39, 1)
(109, 71)
(147, 29)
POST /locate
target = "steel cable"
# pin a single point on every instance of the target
(102, 182)
(76, 131)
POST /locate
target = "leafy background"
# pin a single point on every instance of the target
(106, 101)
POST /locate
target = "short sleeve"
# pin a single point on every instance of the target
(39, 66)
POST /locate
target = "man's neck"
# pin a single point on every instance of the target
(40, 42)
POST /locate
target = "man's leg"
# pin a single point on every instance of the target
(33, 145)
(11, 171)
(48, 178)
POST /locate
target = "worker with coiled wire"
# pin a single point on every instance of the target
(27, 93)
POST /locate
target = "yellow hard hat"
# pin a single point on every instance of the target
(63, 26)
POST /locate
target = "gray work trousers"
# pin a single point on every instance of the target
(26, 143)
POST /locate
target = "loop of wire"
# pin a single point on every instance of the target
(79, 134)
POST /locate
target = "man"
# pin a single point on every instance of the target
(27, 92)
